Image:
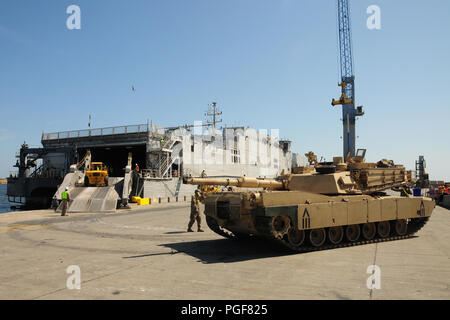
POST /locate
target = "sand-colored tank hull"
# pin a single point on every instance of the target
(333, 204)
(306, 221)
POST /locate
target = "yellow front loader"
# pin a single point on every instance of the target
(96, 175)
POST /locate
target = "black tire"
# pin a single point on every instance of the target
(296, 237)
(401, 227)
(383, 229)
(317, 237)
(353, 232)
(369, 230)
(335, 235)
(86, 181)
(106, 181)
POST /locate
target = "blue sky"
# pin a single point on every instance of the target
(268, 64)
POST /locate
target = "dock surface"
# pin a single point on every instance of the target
(146, 253)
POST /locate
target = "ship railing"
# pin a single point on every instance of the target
(51, 174)
(149, 173)
(155, 174)
(137, 128)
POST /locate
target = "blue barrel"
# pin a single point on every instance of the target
(417, 192)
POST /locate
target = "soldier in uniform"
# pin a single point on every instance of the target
(195, 212)
(65, 201)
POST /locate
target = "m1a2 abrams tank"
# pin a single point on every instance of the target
(332, 205)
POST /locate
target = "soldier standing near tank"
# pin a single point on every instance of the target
(195, 212)
(65, 201)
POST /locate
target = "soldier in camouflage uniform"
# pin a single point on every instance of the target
(195, 212)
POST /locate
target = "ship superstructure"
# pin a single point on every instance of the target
(162, 154)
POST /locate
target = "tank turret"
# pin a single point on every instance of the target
(329, 178)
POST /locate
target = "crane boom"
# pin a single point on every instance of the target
(347, 99)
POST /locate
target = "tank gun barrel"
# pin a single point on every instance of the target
(243, 182)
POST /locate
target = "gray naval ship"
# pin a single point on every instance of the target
(143, 160)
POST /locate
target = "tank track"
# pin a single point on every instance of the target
(412, 229)
(214, 226)
(265, 227)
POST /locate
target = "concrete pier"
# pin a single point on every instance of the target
(146, 253)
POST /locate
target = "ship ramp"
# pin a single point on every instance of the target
(70, 180)
(93, 199)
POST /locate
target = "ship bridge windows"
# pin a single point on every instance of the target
(235, 156)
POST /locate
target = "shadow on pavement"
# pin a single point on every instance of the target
(228, 250)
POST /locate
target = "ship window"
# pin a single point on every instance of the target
(235, 156)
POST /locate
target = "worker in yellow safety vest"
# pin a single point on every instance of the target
(65, 201)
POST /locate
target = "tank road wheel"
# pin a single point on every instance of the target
(317, 237)
(335, 234)
(280, 225)
(369, 230)
(296, 237)
(401, 227)
(353, 232)
(384, 229)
